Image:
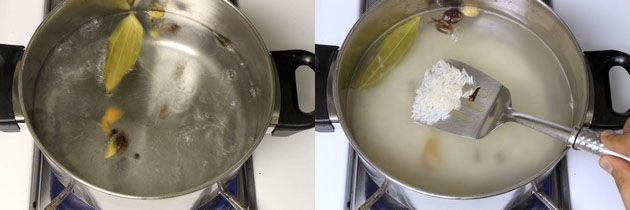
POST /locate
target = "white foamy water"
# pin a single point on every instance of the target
(443, 163)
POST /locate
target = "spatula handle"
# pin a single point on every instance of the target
(549, 128)
(588, 140)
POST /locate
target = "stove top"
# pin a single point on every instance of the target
(363, 189)
(46, 186)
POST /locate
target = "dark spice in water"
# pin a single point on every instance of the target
(449, 18)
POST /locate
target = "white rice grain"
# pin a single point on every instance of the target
(440, 93)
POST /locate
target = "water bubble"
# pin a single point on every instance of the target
(230, 74)
(457, 35)
(253, 92)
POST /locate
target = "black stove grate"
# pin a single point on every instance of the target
(72, 202)
(363, 187)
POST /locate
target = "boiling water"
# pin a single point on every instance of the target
(446, 164)
(182, 105)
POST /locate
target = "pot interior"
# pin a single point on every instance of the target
(377, 118)
(194, 105)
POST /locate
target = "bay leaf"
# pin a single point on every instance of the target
(120, 4)
(393, 47)
(122, 51)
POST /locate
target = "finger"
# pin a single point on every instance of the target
(626, 127)
(616, 142)
(620, 170)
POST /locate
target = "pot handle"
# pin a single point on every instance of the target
(9, 57)
(292, 120)
(600, 62)
(325, 55)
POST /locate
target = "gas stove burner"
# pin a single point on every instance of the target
(384, 203)
(363, 187)
(71, 202)
(74, 203)
(46, 186)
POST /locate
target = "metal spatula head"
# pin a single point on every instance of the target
(492, 107)
(482, 112)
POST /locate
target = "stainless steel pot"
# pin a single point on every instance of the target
(164, 178)
(589, 89)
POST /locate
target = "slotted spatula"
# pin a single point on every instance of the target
(492, 106)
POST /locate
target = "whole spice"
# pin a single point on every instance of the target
(452, 15)
(446, 23)
(470, 11)
(469, 8)
(155, 11)
(444, 26)
(169, 27)
(117, 143)
(431, 155)
(473, 96)
(112, 114)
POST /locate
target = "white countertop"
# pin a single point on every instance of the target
(16, 149)
(590, 22)
(333, 20)
(283, 167)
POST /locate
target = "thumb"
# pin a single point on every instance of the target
(616, 142)
(620, 170)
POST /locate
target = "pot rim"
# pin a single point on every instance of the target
(337, 103)
(228, 172)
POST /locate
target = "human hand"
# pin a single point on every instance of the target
(617, 167)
